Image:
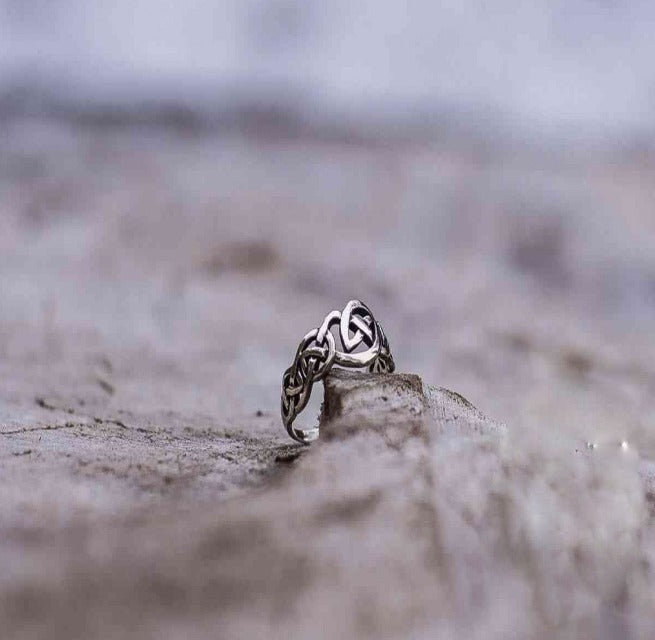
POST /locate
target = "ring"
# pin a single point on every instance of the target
(363, 345)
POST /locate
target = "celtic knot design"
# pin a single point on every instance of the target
(363, 344)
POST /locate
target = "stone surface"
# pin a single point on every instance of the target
(153, 288)
(392, 405)
(396, 406)
(411, 513)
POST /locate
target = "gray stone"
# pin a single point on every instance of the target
(397, 406)
(413, 516)
(155, 286)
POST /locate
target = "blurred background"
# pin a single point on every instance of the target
(581, 66)
(187, 188)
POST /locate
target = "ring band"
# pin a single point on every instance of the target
(318, 353)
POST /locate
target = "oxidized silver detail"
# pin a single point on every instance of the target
(318, 353)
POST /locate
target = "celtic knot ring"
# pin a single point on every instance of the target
(363, 345)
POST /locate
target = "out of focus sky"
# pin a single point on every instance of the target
(547, 65)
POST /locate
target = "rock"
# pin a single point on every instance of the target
(397, 406)
(392, 405)
(413, 516)
(147, 486)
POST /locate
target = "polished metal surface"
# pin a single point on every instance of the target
(363, 344)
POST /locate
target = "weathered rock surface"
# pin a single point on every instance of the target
(412, 512)
(153, 287)
(398, 407)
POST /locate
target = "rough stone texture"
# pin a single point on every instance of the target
(392, 405)
(396, 406)
(411, 513)
(154, 285)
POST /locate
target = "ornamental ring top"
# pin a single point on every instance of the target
(363, 344)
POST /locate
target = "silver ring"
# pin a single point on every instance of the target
(363, 345)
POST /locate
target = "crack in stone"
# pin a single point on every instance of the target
(56, 427)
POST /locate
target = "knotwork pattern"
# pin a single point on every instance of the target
(363, 344)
